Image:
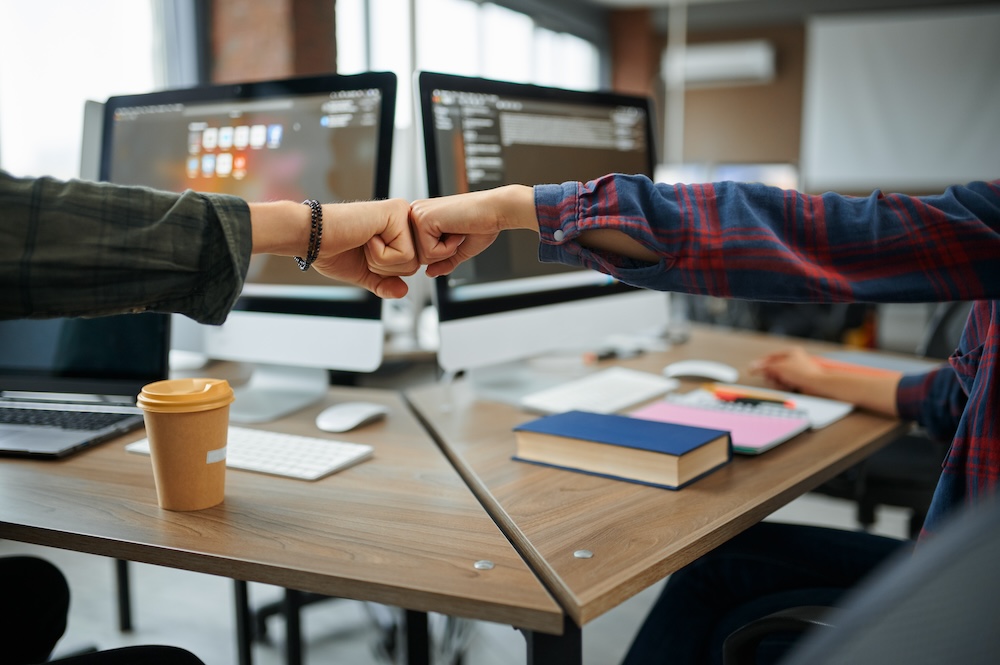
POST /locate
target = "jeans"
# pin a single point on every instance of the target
(768, 567)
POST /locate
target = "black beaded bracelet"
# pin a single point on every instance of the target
(315, 235)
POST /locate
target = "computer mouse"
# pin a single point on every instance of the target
(348, 415)
(702, 369)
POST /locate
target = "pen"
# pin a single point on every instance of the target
(746, 397)
(754, 401)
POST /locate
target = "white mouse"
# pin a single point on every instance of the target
(702, 369)
(348, 415)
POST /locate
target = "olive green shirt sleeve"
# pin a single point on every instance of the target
(79, 248)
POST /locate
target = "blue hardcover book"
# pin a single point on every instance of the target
(615, 446)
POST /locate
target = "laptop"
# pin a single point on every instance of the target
(68, 384)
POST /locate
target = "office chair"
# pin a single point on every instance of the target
(289, 608)
(937, 604)
(905, 472)
(944, 330)
(828, 322)
(399, 632)
(251, 623)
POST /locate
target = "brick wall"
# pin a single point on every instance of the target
(255, 40)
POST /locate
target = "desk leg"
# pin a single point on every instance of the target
(244, 630)
(293, 627)
(124, 596)
(565, 649)
(417, 638)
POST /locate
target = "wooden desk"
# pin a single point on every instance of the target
(637, 534)
(401, 529)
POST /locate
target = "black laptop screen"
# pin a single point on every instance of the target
(114, 355)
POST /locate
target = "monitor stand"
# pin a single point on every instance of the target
(274, 391)
(510, 382)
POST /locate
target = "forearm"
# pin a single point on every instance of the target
(872, 392)
(611, 241)
(280, 228)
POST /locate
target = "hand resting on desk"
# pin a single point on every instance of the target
(797, 370)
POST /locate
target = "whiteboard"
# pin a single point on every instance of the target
(906, 101)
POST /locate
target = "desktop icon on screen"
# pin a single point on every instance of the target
(224, 164)
(239, 166)
(210, 138)
(208, 165)
(258, 136)
(241, 137)
(225, 138)
(274, 136)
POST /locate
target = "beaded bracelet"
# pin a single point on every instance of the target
(315, 235)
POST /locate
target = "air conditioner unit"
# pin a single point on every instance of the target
(725, 63)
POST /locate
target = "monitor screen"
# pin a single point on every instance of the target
(324, 137)
(480, 133)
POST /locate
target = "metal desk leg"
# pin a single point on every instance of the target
(417, 638)
(124, 596)
(565, 649)
(293, 627)
(244, 629)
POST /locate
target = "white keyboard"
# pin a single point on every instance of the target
(290, 455)
(606, 391)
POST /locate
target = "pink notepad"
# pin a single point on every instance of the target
(752, 433)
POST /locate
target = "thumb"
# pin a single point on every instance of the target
(388, 288)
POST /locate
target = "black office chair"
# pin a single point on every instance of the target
(935, 605)
(400, 633)
(904, 473)
(828, 322)
(251, 622)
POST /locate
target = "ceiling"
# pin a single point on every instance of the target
(713, 14)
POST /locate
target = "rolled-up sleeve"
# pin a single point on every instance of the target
(80, 248)
(749, 241)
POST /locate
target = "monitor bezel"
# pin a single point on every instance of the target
(369, 307)
(427, 82)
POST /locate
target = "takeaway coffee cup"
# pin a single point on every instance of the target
(187, 422)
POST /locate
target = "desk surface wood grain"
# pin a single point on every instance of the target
(401, 529)
(637, 534)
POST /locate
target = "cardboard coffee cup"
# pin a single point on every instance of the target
(187, 424)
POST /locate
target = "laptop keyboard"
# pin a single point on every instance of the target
(79, 420)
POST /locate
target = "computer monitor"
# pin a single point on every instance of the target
(324, 137)
(505, 305)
